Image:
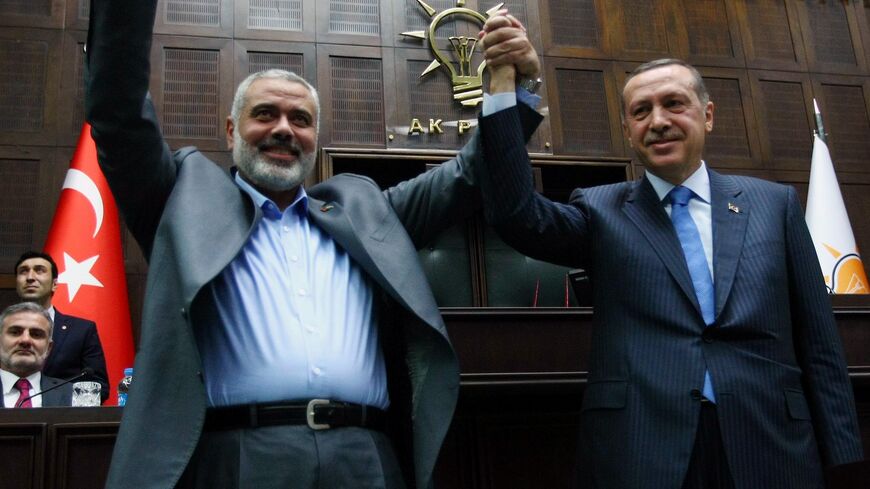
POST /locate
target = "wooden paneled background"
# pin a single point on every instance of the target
(764, 62)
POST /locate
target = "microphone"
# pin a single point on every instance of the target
(87, 371)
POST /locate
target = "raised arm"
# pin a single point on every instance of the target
(437, 199)
(526, 220)
(133, 155)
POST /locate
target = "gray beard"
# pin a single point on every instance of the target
(271, 176)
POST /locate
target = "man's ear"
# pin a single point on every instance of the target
(626, 133)
(53, 285)
(708, 117)
(230, 127)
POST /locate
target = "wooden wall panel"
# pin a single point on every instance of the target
(642, 33)
(277, 20)
(354, 80)
(359, 22)
(846, 112)
(585, 101)
(192, 86)
(30, 183)
(706, 32)
(32, 13)
(783, 111)
(210, 18)
(19, 191)
(253, 56)
(831, 37)
(577, 28)
(734, 140)
(77, 14)
(71, 102)
(29, 77)
(771, 34)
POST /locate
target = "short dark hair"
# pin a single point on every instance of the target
(697, 82)
(37, 254)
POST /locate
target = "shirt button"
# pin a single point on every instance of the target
(309, 328)
(294, 258)
(316, 370)
(286, 229)
(302, 292)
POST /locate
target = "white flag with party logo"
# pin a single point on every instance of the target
(830, 227)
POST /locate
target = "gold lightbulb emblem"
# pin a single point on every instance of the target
(467, 83)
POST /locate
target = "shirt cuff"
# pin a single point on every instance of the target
(498, 102)
(505, 100)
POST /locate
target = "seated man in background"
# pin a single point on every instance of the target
(76, 342)
(25, 342)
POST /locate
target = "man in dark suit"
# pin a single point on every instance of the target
(716, 360)
(76, 343)
(289, 338)
(25, 342)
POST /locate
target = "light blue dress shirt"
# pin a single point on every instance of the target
(699, 208)
(297, 318)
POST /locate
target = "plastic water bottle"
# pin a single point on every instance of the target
(124, 386)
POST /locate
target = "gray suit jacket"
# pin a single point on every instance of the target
(785, 403)
(59, 397)
(191, 220)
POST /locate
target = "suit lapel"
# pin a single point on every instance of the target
(332, 218)
(730, 213)
(58, 335)
(335, 220)
(646, 211)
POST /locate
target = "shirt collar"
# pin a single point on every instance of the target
(698, 182)
(270, 209)
(9, 379)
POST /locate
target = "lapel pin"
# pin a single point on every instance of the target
(326, 207)
(733, 208)
(63, 327)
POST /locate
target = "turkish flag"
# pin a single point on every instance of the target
(85, 241)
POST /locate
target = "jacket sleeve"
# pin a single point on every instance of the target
(818, 347)
(437, 199)
(132, 153)
(524, 219)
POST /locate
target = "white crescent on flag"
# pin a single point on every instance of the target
(80, 182)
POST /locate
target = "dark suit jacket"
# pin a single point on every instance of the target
(60, 397)
(785, 403)
(191, 220)
(76, 346)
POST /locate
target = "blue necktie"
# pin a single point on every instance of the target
(693, 250)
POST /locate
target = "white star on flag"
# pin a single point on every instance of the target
(78, 274)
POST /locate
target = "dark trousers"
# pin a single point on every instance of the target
(708, 468)
(293, 457)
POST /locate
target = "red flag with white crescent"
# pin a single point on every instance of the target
(85, 241)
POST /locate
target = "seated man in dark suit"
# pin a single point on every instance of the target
(25, 342)
(76, 342)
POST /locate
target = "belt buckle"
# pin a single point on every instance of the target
(309, 414)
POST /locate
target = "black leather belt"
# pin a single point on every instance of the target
(318, 414)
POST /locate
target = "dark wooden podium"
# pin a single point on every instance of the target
(57, 448)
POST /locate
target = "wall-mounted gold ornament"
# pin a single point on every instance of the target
(467, 83)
